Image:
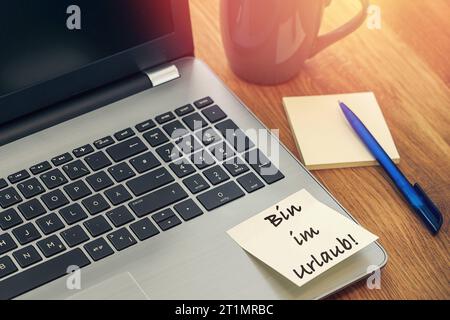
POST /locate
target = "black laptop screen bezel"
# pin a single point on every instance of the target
(169, 47)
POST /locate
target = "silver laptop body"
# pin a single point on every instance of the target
(196, 259)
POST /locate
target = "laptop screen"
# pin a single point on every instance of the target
(44, 40)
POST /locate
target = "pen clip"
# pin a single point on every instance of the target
(429, 213)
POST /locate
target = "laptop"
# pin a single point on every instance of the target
(119, 176)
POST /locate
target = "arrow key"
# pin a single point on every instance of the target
(169, 223)
(144, 229)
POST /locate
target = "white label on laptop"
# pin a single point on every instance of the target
(301, 237)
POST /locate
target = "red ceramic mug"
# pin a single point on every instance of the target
(267, 41)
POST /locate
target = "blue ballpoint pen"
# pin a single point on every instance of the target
(414, 195)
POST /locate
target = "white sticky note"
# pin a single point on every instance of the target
(301, 237)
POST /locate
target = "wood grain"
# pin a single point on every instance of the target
(407, 65)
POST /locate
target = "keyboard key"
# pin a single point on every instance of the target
(220, 195)
(53, 178)
(241, 142)
(169, 152)
(104, 142)
(75, 170)
(250, 182)
(99, 181)
(208, 136)
(26, 233)
(235, 166)
(157, 200)
(146, 125)
(216, 175)
(126, 149)
(169, 223)
(202, 159)
(188, 209)
(124, 134)
(120, 216)
(40, 167)
(204, 102)
(31, 209)
(163, 215)
(41, 274)
(165, 117)
(54, 199)
(188, 144)
(73, 213)
(95, 204)
(150, 181)
(74, 236)
(82, 151)
(9, 197)
(30, 188)
(145, 162)
(196, 183)
(155, 137)
(6, 243)
(3, 183)
(7, 267)
(77, 190)
(214, 114)
(19, 176)
(226, 125)
(9, 218)
(64, 158)
(175, 129)
(184, 110)
(97, 161)
(144, 229)
(98, 249)
(50, 223)
(27, 256)
(263, 166)
(118, 195)
(195, 121)
(235, 136)
(121, 172)
(182, 168)
(121, 239)
(51, 246)
(97, 226)
(222, 151)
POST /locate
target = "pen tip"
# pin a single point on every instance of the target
(343, 106)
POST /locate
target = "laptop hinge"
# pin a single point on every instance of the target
(162, 76)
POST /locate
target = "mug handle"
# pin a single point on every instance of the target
(328, 39)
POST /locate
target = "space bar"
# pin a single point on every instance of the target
(41, 274)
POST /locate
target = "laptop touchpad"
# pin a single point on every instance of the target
(122, 286)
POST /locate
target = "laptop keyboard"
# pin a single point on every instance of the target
(104, 197)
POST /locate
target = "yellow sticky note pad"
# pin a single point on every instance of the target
(324, 137)
(300, 237)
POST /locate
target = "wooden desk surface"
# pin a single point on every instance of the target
(407, 65)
